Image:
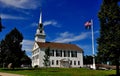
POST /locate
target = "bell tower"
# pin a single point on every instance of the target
(40, 34)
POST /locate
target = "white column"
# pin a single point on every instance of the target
(54, 53)
(70, 53)
(62, 53)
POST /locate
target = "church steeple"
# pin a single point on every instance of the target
(40, 34)
(40, 21)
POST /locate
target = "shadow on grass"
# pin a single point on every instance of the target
(53, 71)
(17, 69)
(22, 69)
(114, 75)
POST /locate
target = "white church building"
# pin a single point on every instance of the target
(61, 54)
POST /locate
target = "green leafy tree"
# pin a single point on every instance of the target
(46, 57)
(2, 54)
(1, 27)
(11, 49)
(109, 40)
(88, 59)
(25, 60)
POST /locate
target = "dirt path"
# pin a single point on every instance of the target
(8, 74)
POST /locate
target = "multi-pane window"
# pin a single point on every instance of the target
(51, 53)
(78, 62)
(52, 62)
(66, 53)
(71, 62)
(59, 53)
(57, 62)
(73, 53)
(74, 62)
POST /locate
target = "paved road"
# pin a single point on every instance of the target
(8, 74)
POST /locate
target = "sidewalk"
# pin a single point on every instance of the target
(9, 74)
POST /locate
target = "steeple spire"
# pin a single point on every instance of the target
(40, 34)
(40, 21)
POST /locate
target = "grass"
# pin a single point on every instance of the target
(60, 72)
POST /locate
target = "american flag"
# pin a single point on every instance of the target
(88, 25)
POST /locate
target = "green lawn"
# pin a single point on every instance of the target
(60, 72)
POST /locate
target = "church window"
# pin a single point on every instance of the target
(51, 52)
(78, 62)
(52, 62)
(56, 53)
(73, 53)
(74, 62)
(71, 62)
(59, 53)
(66, 53)
(57, 62)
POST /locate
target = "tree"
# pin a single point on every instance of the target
(109, 40)
(1, 27)
(11, 49)
(46, 57)
(1, 55)
(25, 60)
(88, 59)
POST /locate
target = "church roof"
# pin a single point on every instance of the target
(61, 46)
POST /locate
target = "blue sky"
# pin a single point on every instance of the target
(63, 21)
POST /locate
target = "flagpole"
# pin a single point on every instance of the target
(93, 50)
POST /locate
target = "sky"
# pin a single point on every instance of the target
(63, 21)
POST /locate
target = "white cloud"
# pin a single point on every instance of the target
(66, 34)
(70, 37)
(5, 16)
(47, 23)
(51, 22)
(27, 45)
(34, 24)
(23, 4)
